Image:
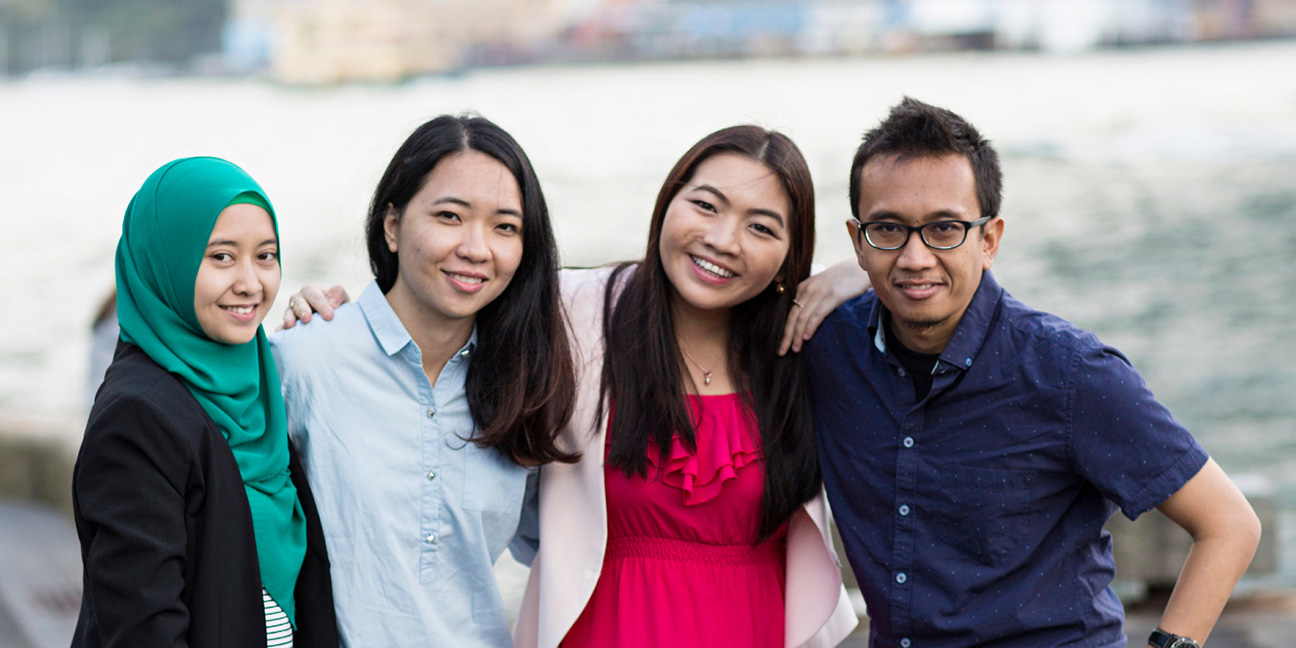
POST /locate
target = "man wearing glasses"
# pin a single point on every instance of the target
(972, 447)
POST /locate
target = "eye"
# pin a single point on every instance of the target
(269, 256)
(221, 257)
(447, 215)
(762, 229)
(704, 205)
(944, 227)
(886, 228)
(509, 228)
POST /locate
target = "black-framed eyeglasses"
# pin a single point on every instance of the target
(937, 235)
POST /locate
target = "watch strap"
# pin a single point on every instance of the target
(1162, 639)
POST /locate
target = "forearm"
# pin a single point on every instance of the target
(1225, 532)
(1209, 575)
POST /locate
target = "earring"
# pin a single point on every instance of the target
(779, 288)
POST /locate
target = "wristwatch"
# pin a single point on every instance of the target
(1162, 639)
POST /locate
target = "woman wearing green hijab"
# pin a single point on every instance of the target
(195, 526)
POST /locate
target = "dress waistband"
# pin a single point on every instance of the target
(621, 547)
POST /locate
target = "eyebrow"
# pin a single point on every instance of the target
(940, 214)
(467, 205)
(233, 243)
(725, 199)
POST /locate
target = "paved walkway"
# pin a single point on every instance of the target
(1257, 621)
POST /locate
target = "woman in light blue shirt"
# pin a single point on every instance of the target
(423, 407)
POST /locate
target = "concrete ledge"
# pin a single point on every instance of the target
(36, 459)
(1151, 551)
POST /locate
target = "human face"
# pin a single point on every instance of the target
(458, 241)
(725, 233)
(925, 290)
(239, 275)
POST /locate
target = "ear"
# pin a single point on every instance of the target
(391, 223)
(990, 241)
(857, 240)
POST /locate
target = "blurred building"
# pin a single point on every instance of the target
(331, 41)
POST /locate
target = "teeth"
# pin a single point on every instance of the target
(464, 279)
(711, 267)
(241, 310)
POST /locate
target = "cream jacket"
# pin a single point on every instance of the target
(573, 514)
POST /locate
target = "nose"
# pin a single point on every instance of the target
(472, 246)
(915, 255)
(248, 280)
(722, 236)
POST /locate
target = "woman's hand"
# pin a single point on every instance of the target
(818, 296)
(310, 299)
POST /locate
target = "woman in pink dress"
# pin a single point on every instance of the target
(694, 517)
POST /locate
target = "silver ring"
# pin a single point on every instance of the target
(797, 303)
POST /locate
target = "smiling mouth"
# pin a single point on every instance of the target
(239, 310)
(711, 268)
(465, 278)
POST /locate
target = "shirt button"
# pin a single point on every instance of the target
(904, 643)
(431, 475)
(908, 442)
(901, 372)
(904, 509)
(431, 412)
(430, 539)
(967, 362)
(901, 578)
(463, 354)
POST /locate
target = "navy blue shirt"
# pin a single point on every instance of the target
(974, 516)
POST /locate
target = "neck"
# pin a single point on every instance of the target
(438, 337)
(703, 337)
(922, 338)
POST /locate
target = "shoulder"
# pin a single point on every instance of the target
(847, 324)
(585, 284)
(144, 406)
(305, 340)
(1029, 326)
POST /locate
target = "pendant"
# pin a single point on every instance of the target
(706, 377)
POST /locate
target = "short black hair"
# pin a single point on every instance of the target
(914, 130)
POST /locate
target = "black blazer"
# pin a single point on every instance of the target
(167, 547)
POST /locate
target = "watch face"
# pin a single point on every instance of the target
(1182, 642)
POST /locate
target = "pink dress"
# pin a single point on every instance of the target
(680, 569)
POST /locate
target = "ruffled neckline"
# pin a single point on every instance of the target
(727, 441)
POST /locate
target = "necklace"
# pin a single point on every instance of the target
(706, 373)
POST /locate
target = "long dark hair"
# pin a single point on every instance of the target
(521, 385)
(641, 371)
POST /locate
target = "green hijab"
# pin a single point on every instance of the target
(164, 239)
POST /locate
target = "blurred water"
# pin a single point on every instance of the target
(1150, 195)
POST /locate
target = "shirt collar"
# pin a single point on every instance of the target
(388, 328)
(968, 336)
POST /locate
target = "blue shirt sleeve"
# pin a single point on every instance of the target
(526, 542)
(1123, 441)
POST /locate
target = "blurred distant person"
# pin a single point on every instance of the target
(972, 447)
(103, 341)
(196, 528)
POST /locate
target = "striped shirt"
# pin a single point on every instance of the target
(279, 632)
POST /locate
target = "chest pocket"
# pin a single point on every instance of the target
(985, 513)
(492, 483)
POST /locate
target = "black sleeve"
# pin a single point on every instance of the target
(129, 492)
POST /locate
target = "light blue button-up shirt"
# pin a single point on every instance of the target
(414, 515)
